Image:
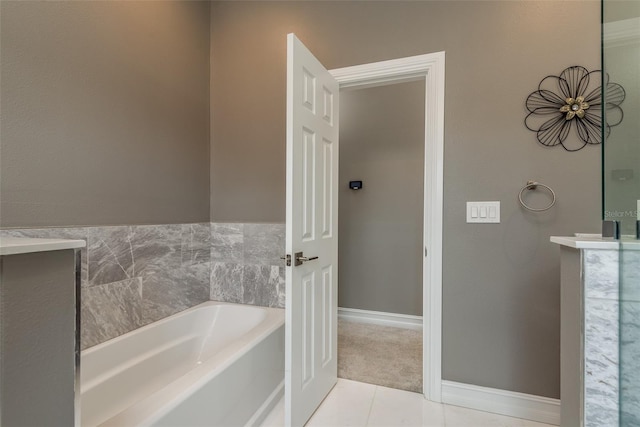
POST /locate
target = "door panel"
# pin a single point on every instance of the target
(327, 189)
(327, 317)
(309, 185)
(312, 161)
(308, 339)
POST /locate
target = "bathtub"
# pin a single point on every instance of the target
(215, 364)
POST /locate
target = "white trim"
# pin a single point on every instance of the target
(511, 403)
(433, 217)
(429, 67)
(395, 320)
(386, 72)
(622, 33)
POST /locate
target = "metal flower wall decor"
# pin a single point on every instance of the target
(573, 100)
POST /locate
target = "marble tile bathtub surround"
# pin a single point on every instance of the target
(263, 243)
(119, 253)
(110, 310)
(134, 275)
(227, 243)
(245, 263)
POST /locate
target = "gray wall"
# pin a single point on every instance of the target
(380, 226)
(501, 282)
(105, 113)
(104, 121)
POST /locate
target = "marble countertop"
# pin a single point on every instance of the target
(596, 242)
(20, 245)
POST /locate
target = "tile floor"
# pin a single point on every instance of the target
(356, 404)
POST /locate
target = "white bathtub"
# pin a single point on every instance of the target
(215, 364)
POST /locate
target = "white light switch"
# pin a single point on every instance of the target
(483, 212)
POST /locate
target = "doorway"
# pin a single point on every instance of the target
(380, 218)
(431, 69)
(312, 211)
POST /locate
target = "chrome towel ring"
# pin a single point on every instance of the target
(532, 185)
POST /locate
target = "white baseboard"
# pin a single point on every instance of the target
(511, 403)
(395, 320)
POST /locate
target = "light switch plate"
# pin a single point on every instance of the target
(483, 212)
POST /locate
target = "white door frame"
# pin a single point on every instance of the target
(429, 67)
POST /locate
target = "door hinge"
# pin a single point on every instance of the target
(287, 258)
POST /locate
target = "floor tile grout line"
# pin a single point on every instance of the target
(375, 392)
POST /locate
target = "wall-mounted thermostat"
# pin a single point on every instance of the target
(355, 185)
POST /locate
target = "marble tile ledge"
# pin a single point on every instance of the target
(594, 242)
(19, 245)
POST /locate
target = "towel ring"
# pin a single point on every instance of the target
(532, 185)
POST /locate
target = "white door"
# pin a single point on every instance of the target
(311, 367)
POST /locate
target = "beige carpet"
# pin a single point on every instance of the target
(391, 357)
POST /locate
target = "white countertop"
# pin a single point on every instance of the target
(595, 242)
(21, 245)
